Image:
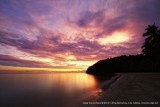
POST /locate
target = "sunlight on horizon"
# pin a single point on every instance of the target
(14, 68)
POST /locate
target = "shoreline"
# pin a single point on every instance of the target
(109, 82)
(133, 87)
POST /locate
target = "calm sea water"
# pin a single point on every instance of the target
(47, 90)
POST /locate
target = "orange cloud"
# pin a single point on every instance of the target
(72, 34)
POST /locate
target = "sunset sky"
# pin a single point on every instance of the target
(70, 35)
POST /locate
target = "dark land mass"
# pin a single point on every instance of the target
(148, 61)
(124, 64)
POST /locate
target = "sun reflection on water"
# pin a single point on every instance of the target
(70, 82)
(56, 88)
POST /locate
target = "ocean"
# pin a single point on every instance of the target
(48, 90)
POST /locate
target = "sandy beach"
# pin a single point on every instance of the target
(132, 88)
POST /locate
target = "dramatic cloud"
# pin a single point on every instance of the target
(13, 61)
(72, 33)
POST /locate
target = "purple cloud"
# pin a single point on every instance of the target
(73, 29)
(13, 61)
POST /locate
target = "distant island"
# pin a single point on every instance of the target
(148, 61)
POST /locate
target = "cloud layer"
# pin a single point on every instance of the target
(72, 34)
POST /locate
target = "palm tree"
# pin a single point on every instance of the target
(151, 46)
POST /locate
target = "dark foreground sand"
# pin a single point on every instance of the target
(130, 88)
(135, 87)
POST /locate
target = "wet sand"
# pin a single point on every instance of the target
(129, 88)
(135, 87)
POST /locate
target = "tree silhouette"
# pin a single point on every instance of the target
(151, 46)
(148, 61)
